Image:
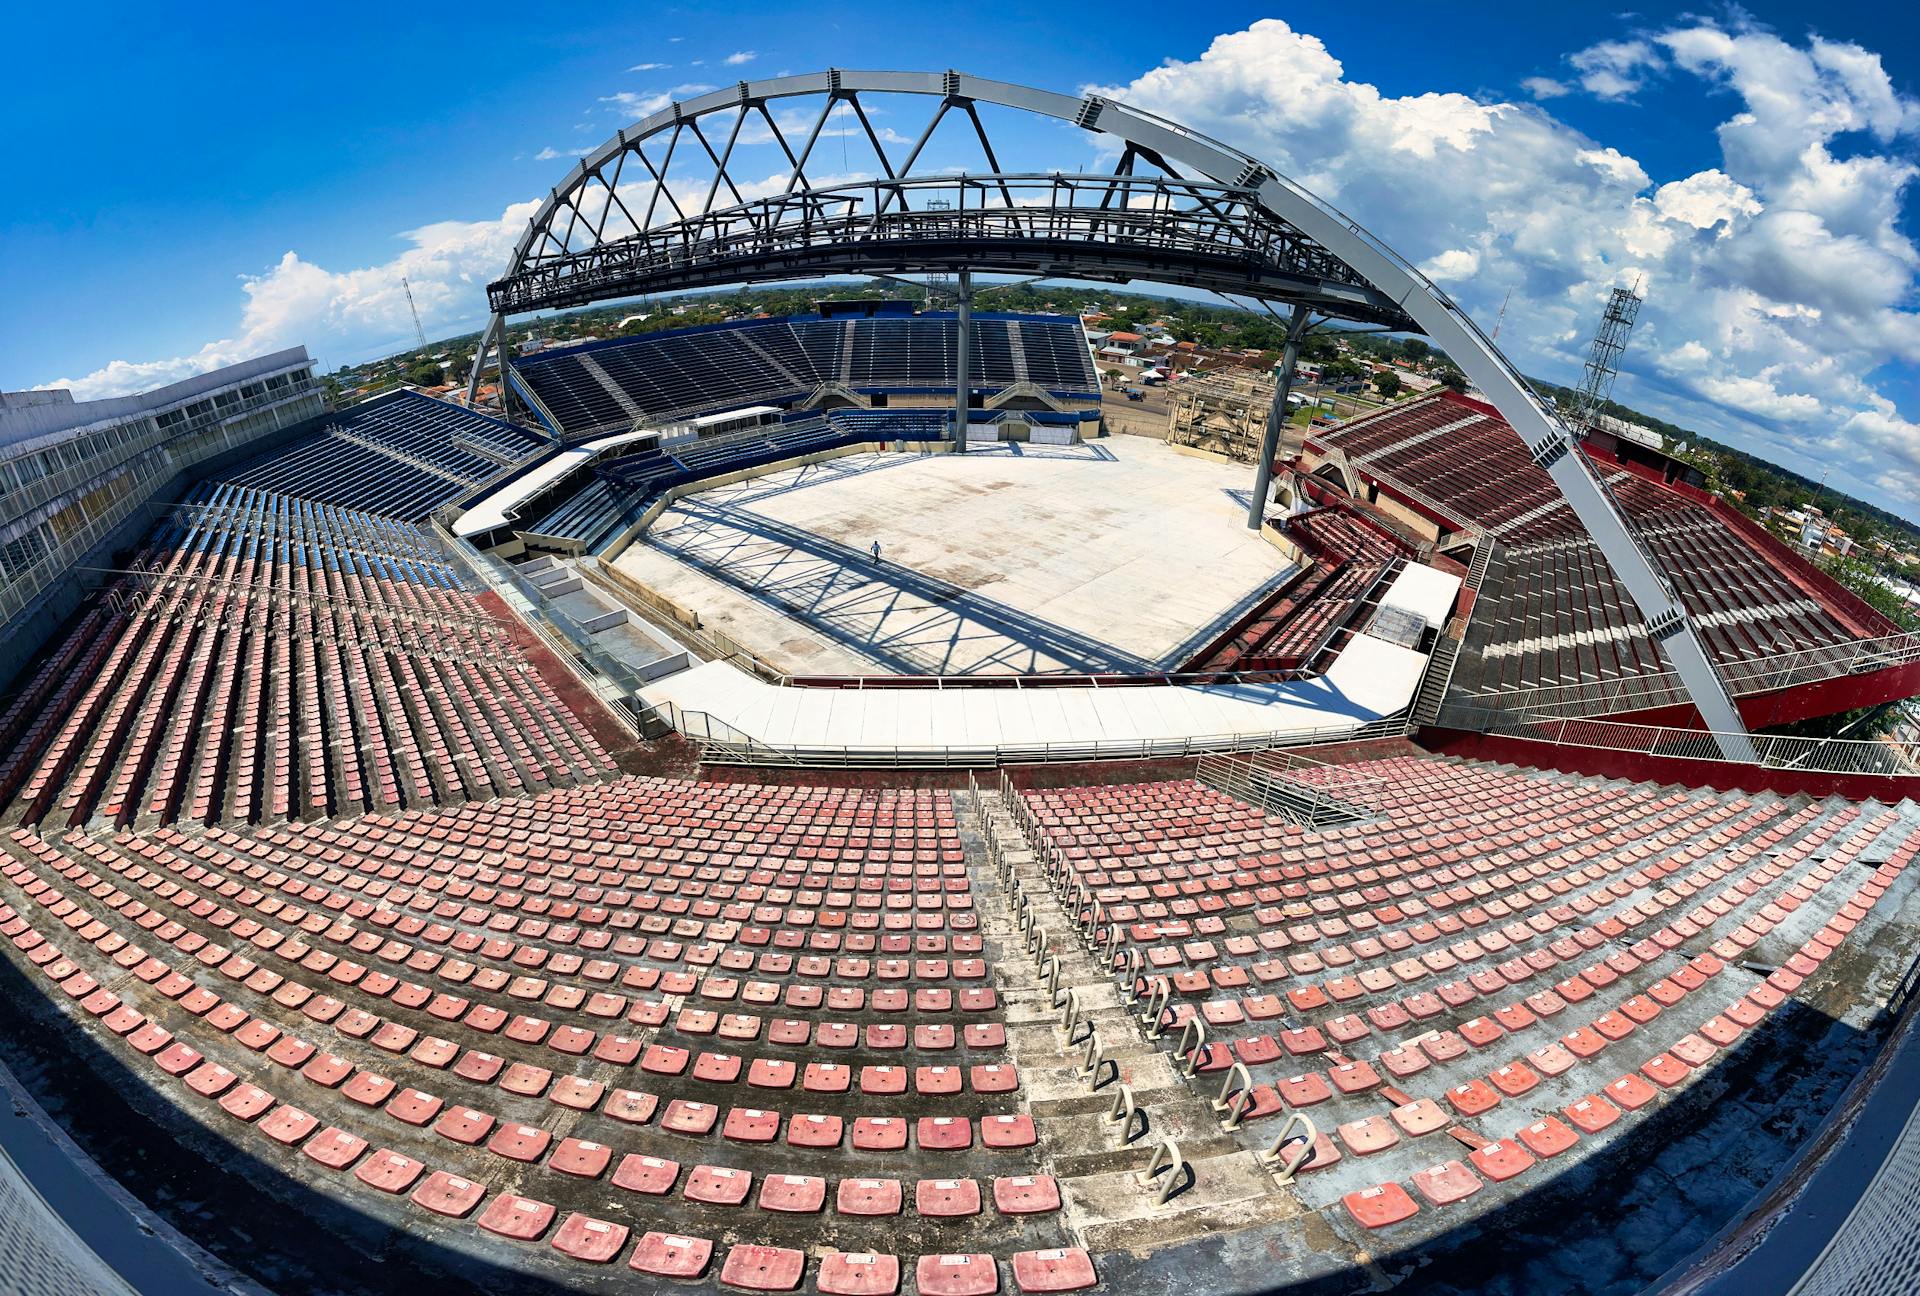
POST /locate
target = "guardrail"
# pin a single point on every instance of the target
(1327, 794)
(1771, 751)
(727, 744)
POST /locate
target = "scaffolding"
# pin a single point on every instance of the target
(1226, 414)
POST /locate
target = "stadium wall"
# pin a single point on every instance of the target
(126, 460)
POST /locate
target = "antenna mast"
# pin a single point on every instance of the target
(1501, 318)
(418, 331)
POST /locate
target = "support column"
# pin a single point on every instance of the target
(962, 394)
(1276, 417)
(495, 331)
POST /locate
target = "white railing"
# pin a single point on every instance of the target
(727, 744)
(1771, 751)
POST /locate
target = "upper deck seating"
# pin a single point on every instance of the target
(402, 454)
(779, 361)
(1303, 622)
(1550, 611)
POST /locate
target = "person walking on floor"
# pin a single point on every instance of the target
(876, 551)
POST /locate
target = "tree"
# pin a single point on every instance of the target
(1113, 376)
(1388, 383)
(425, 373)
(1861, 577)
(1414, 349)
(1453, 380)
(1318, 347)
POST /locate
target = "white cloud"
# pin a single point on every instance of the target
(649, 67)
(739, 57)
(1453, 264)
(549, 153)
(632, 103)
(1615, 69)
(349, 312)
(1780, 284)
(1545, 87)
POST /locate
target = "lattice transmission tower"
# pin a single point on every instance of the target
(1603, 356)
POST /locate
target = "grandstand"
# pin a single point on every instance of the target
(402, 454)
(1552, 628)
(604, 386)
(375, 921)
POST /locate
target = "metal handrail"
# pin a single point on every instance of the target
(729, 745)
(1772, 751)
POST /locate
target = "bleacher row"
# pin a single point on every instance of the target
(402, 454)
(270, 657)
(593, 515)
(1550, 610)
(777, 361)
(675, 1026)
(1306, 620)
(1504, 966)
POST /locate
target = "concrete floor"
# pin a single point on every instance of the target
(1117, 555)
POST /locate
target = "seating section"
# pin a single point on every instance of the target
(402, 454)
(779, 361)
(670, 1028)
(1501, 967)
(1309, 619)
(618, 489)
(270, 657)
(1550, 611)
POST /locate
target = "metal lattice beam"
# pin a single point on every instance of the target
(1279, 215)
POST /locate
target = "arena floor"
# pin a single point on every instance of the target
(1120, 554)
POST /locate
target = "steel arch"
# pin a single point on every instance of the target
(1363, 261)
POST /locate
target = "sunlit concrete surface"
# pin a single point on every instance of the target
(1120, 554)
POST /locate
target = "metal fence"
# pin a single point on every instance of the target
(727, 744)
(1771, 751)
(1309, 792)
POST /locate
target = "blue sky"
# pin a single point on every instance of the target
(180, 188)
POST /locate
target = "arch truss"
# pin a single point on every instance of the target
(803, 176)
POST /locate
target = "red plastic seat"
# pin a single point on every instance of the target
(802, 1194)
(595, 1241)
(335, 1148)
(957, 1275)
(520, 1218)
(1379, 1206)
(858, 1274)
(814, 1131)
(388, 1171)
(943, 1133)
(1057, 1270)
(651, 1175)
(671, 1255)
(868, 1197)
(762, 1268)
(448, 1194)
(1009, 1131)
(1450, 1181)
(879, 1133)
(1026, 1194)
(718, 1185)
